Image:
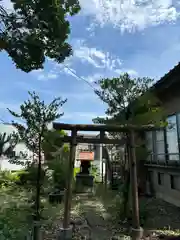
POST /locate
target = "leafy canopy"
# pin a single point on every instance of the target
(53, 145)
(129, 100)
(36, 116)
(36, 29)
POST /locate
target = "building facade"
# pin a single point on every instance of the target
(163, 162)
(19, 148)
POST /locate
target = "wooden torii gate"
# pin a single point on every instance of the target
(74, 139)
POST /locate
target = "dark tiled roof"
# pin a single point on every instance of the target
(168, 78)
(165, 81)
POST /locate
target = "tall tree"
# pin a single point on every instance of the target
(36, 29)
(37, 115)
(129, 100)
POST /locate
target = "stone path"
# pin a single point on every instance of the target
(97, 224)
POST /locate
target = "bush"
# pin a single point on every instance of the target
(112, 201)
(14, 214)
(59, 172)
(8, 178)
(76, 170)
(29, 176)
(95, 173)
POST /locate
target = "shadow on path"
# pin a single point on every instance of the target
(98, 220)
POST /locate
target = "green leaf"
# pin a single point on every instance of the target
(36, 116)
(36, 30)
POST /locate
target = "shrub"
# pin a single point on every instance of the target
(29, 176)
(7, 178)
(95, 173)
(14, 214)
(76, 170)
(59, 172)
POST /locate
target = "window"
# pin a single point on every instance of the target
(172, 138)
(160, 178)
(149, 145)
(175, 182)
(160, 145)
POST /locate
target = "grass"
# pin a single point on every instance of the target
(16, 214)
(16, 221)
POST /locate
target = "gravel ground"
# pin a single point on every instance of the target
(161, 219)
(161, 215)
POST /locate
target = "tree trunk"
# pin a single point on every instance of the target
(38, 189)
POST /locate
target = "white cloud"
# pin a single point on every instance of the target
(69, 71)
(47, 76)
(95, 57)
(44, 76)
(131, 72)
(37, 71)
(103, 63)
(126, 14)
(98, 76)
(130, 14)
(95, 77)
(92, 56)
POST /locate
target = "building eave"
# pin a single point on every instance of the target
(168, 79)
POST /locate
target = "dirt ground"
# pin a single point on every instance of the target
(93, 219)
(161, 215)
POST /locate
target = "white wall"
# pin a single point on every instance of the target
(5, 165)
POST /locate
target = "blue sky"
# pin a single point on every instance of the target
(141, 37)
